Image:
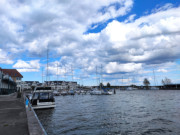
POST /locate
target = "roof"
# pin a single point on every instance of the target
(12, 72)
(32, 81)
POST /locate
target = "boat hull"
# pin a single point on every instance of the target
(96, 93)
(35, 107)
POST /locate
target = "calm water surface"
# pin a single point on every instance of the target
(126, 113)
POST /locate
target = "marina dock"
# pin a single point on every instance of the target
(16, 119)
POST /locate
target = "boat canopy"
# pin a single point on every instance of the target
(43, 88)
(105, 89)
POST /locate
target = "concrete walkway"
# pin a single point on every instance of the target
(13, 119)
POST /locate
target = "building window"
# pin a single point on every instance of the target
(18, 78)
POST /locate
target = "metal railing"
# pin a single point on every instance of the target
(30, 108)
(4, 91)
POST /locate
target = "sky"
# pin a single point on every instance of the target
(116, 41)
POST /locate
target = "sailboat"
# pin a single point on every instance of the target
(96, 91)
(43, 97)
(100, 91)
(154, 87)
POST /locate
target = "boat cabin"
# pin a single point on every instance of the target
(43, 97)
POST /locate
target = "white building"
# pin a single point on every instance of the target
(29, 84)
(61, 85)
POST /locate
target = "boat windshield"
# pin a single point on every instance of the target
(43, 95)
(50, 95)
(35, 96)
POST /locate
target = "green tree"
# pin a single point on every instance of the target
(146, 83)
(166, 81)
(101, 85)
(163, 82)
(108, 85)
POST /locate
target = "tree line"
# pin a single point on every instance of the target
(146, 82)
(164, 81)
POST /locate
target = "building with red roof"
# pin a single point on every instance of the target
(7, 84)
(15, 75)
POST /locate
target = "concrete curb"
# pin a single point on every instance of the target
(34, 125)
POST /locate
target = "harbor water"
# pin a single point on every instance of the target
(139, 112)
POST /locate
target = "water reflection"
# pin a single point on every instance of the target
(126, 113)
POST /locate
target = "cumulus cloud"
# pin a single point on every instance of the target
(130, 18)
(114, 67)
(61, 26)
(27, 70)
(57, 24)
(146, 40)
(5, 58)
(162, 8)
(162, 70)
(27, 66)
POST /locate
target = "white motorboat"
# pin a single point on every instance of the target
(78, 92)
(56, 93)
(107, 92)
(154, 88)
(110, 92)
(43, 98)
(83, 92)
(96, 92)
(71, 92)
(64, 93)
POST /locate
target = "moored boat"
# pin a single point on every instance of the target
(71, 92)
(43, 98)
(96, 92)
(64, 93)
(107, 92)
(56, 93)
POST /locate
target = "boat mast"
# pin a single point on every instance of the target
(133, 81)
(47, 75)
(57, 75)
(42, 75)
(65, 74)
(72, 72)
(122, 80)
(154, 78)
(101, 77)
(96, 76)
